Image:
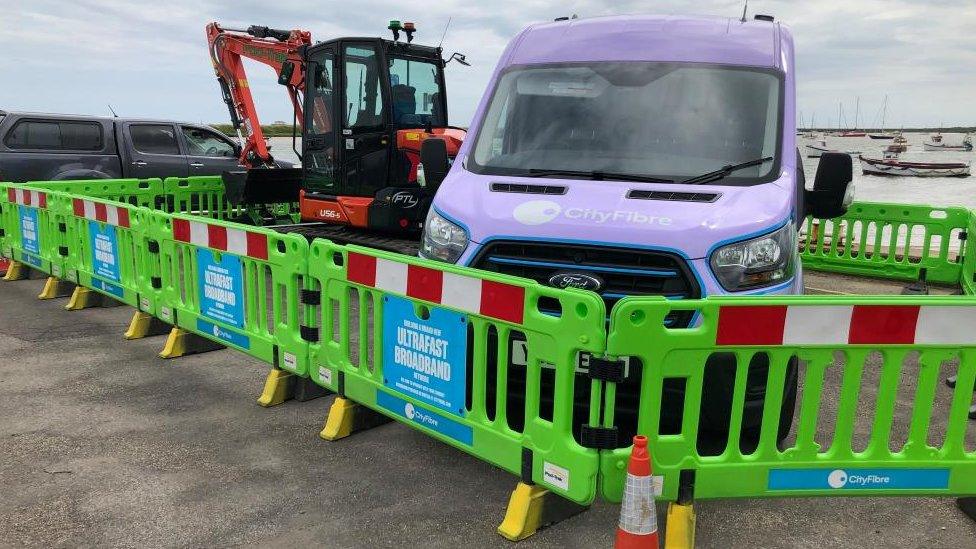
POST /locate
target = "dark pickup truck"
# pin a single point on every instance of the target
(51, 147)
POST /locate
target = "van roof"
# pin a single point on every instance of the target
(665, 38)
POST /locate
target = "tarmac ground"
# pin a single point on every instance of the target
(109, 445)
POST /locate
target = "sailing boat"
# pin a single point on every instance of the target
(883, 134)
(853, 132)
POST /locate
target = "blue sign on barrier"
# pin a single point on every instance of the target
(425, 357)
(221, 281)
(433, 421)
(117, 291)
(28, 230)
(859, 479)
(223, 334)
(105, 250)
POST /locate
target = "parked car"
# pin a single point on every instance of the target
(35, 146)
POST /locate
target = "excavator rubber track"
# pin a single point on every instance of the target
(342, 234)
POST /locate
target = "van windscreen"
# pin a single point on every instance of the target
(662, 120)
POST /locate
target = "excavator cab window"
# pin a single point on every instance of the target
(319, 156)
(415, 86)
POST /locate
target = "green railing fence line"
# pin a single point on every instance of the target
(529, 377)
(894, 241)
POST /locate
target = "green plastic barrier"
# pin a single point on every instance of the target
(892, 241)
(895, 340)
(202, 196)
(205, 196)
(31, 223)
(104, 243)
(462, 355)
(968, 277)
(135, 192)
(234, 284)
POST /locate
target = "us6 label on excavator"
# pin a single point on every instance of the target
(426, 357)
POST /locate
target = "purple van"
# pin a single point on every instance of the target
(641, 155)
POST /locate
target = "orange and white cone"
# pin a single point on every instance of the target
(637, 528)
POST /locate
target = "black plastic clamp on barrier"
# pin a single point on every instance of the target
(3, 233)
(527, 466)
(963, 235)
(63, 250)
(610, 371)
(153, 246)
(311, 297)
(156, 282)
(62, 227)
(309, 333)
(598, 438)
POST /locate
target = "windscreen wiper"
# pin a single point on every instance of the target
(725, 171)
(596, 175)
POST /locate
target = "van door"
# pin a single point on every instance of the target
(154, 150)
(207, 152)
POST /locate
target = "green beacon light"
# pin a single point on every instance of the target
(395, 27)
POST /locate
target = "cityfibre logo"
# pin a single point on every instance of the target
(539, 212)
(839, 478)
(421, 417)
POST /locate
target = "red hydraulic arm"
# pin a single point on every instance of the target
(279, 49)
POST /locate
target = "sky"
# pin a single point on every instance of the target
(150, 58)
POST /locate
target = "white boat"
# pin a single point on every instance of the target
(890, 165)
(967, 145)
(816, 150)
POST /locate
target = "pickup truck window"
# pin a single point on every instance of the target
(55, 135)
(663, 120)
(206, 143)
(154, 138)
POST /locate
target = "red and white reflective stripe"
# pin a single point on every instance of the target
(467, 293)
(106, 213)
(846, 325)
(235, 241)
(27, 197)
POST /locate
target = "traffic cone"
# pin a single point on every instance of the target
(637, 528)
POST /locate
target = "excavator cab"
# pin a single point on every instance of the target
(369, 104)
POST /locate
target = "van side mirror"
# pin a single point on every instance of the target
(832, 191)
(433, 155)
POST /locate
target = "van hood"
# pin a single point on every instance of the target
(688, 219)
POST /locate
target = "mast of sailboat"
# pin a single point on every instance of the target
(884, 112)
(857, 108)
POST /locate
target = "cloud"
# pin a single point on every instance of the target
(150, 58)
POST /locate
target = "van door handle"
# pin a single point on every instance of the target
(196, 164)
(138, 163)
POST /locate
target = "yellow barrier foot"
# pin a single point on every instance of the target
(968, 506)
(347, 417)
(55, 288)
(182, 343)
(532, 508)
(281, 385)
(17, 271)
(276, 388)
(145, 325)
(679, 532)
(85, 298)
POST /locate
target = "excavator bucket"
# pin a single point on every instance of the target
(262, 186)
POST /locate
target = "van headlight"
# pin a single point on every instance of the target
(443, 240)
(755, 263)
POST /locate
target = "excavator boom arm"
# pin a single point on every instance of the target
(279, 49)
